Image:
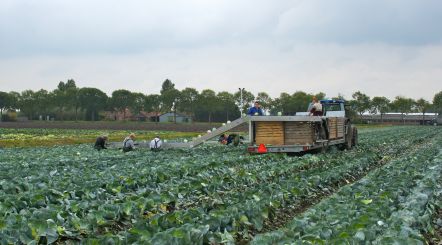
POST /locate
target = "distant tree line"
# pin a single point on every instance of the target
(69, 102)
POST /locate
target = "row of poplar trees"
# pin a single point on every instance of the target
(69, 102)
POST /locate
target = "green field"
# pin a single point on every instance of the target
(387, 190)
(53, 137)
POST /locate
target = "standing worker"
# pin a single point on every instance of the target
(255, 110)
(315, 107)
(128, 143)
(100, 143)
(155, 144)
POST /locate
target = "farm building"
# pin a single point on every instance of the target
(180, 118)
(397, 118)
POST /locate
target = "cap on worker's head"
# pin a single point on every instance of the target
(132, 135)
(157, 136)
(256, 102)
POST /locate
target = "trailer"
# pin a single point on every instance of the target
(299, 133)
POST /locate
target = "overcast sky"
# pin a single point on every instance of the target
(380, 47)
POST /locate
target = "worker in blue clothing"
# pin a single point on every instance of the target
(255, 110)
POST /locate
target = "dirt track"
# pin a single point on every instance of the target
(196, 127)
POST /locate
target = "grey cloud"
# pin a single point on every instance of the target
(335, 46)
(56, 27)
(346, 21)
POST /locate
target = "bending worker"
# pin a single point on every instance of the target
(155, 144)
(128, 143)
(101, 142)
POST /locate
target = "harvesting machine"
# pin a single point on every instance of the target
(289, 134)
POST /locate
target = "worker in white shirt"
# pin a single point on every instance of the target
(315, 107)
(155, 144)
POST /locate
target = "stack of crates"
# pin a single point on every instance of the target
(284, 133)
(336, 127)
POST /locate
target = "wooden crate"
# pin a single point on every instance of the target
(336, 127)
(269, 133)
(298, 133)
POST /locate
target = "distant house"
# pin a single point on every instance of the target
(147, 116)
(118, 115)
(180, 118)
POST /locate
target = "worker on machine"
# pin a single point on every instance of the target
(315, 107)
(100, 143)
(255, 110)
(128, 143)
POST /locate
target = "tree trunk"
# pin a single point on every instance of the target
(210, 117)
(93, 115)
(1, 114)
(382, 118)
(76, 113)
(60, 111)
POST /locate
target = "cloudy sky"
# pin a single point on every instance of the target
(380, 47)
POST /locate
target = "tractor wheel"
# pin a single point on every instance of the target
(355, 137)
(349, 137)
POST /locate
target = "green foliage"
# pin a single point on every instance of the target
(65, 96)
(247, 99)
(169, 95)
(290, 104)
(49, 137)
(123, 99)
(361, 102)
(437, 102)
(68, 102)
(264, 100)
(188, 101)
(380, 105)
(218, 194)
(392, 204)
(5, 102)
(93, 100)
(402, 104)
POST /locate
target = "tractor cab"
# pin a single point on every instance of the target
(333, 108)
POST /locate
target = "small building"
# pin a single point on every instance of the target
(398, 118)
(180, 117)
(147, 116)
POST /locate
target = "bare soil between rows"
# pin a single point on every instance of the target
(109, 125)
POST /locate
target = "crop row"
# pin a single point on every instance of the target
(392, 204)
(49, 137)
(257, 204)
